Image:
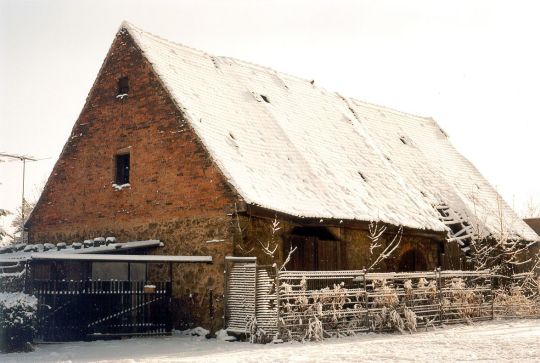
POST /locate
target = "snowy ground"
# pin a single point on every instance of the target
(516, 341)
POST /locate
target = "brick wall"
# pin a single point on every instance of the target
(176, 195)
(171, 174)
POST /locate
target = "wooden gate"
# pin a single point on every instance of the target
(87, 309)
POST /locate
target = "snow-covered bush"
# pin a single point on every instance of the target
(17, 321)
(12, 281)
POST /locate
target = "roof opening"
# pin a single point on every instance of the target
(232, 136)
(265, 98)
(362, 175)
(404, 140)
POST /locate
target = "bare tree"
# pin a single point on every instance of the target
(532, 209)
(270, 247)
(502, 251)
(21, 216)
(375, 234)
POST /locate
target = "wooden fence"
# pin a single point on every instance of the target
(90, 309)
(316, 304)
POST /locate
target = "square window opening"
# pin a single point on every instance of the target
(123, 86)
(122, 162)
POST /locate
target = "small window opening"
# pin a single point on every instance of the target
(123, 86)
(265, 98)
(362, 175)
(122, 169)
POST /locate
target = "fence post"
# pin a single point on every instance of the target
(366, 300)
(492, 296)
(255, 286)
(225, 294)
(26, 280)
(276, 282)
(439, 287)
(278, 303)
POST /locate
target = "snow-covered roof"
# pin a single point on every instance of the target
(292, 147)
(112, 247)
(120, 258)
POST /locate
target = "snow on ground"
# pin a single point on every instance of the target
(514, 340)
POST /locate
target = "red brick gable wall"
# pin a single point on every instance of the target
(171, 176)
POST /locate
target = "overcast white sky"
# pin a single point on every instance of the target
(474, 66)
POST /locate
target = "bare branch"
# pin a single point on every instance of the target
(374, 235)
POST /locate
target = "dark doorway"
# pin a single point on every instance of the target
(316, 250)
(412, 260)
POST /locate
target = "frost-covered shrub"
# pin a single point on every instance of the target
(388, 317)
(17, 321)
(386, 295)
(389, 312)
(428, 287)
(518, 296)
(514, 302)
(255, 333)
(316, 314)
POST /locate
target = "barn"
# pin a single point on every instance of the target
(215, 156)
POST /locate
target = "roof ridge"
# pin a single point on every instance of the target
(390, 109)
(259, 66)
(129, 26)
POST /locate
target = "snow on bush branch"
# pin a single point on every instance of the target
(17, 321)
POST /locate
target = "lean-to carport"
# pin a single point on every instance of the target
(83, 297)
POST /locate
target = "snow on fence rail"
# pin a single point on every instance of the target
(318, 304)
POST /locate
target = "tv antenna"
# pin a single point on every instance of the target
(24, 159)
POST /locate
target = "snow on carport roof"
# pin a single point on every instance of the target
(291, 147)
(120, 258)
(113, 247)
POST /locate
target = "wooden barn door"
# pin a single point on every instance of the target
(314, 254)
(303, 259)
(328, 255)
